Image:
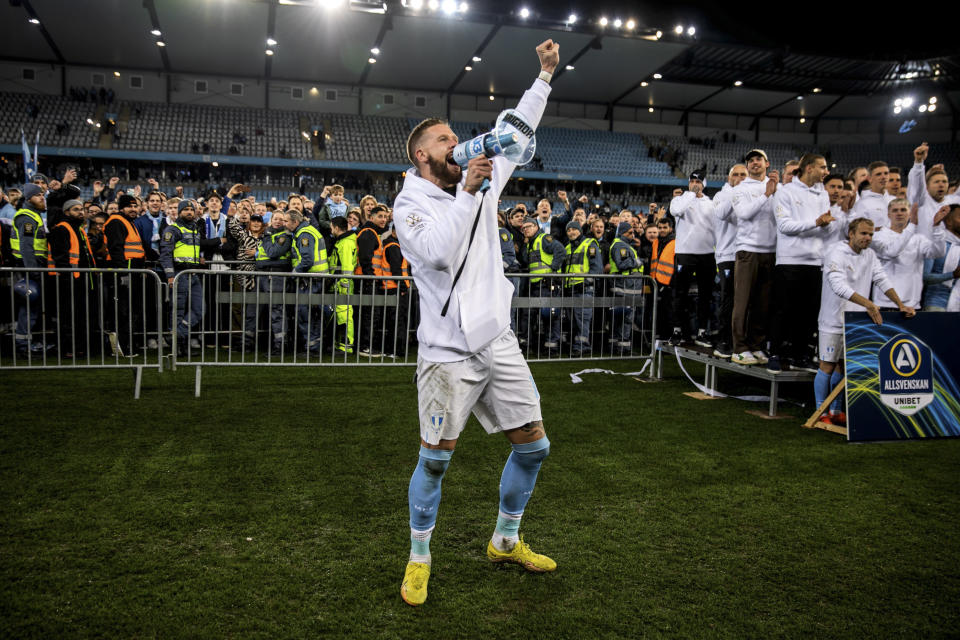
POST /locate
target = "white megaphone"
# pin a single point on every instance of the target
(512, 137)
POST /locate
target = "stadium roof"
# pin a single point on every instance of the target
(823, 57)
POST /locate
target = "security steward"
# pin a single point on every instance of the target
(582, 257)
(343, 262)
(273, 254)
(309, 255)
(543, 255)
(370, 263)
(394, 264)
(28, 243)
(125, 250)
(181, 248)
(662, 266)
(69, 247)
(625, 262)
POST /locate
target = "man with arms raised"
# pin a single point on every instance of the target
(926, 189)
(469, 360)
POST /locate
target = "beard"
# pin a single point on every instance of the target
(445, 169)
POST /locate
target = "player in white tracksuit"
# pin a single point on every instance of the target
(902, 249)
(469, 359)
(849, 270)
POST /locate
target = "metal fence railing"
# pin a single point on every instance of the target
(254, 318)
(81, 319)
(231, 317)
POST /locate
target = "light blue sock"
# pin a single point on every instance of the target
(821, 386)
(837, 404)
(516, 485)
(423, 498)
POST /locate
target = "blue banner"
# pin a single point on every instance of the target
(902, 376)
(29, 161)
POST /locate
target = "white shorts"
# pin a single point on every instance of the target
(831, 347)
(495, 384)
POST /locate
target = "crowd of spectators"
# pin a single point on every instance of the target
(739, 273)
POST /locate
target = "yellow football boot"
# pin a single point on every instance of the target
(523, 556)
(414, 587)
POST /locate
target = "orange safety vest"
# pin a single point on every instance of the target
(661, 267)
(404, 268)
(74, 252)
(132, 244)
(378, 260)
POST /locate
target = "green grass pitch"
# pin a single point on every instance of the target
(275, 506)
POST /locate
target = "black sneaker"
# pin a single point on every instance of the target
(773, 364)
(805, 364)
(723, 350)
(702, 339)
(677, 338)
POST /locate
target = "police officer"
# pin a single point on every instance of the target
(309, 255)
(395, 325)
(181, 248)
(624, 261)
(273, 254)
(343, 261)
(582, 257)
(69, 247)
(508, 253)
(28, 242)
(543, 254)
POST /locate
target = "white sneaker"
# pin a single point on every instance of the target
(551, 344)
(194, 343)
(152, 343)
(761, 357)
(744, 357)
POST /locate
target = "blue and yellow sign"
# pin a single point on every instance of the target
(906, 374)
(902, 376)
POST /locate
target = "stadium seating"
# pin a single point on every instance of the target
(187, 128)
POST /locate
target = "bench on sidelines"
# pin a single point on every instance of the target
(713, 364)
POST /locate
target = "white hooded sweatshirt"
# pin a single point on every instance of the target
(434, 228)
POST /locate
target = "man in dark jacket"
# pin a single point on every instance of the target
(370, 262)
(77, 303)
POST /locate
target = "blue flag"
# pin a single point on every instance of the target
(29, 162)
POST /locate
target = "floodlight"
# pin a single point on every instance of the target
(922, 108)
(603, 21)
(631, 24)
(678, 29)
(468, 68)
(477, 58)
(571, 18)
(449, 7)
(375, 51)
(907, 102)
(933, 101)
(738, 83)
(524, 12)
(932, 107)
(617, 23)
(155, 32)
(691, 31)
(372, 60)
(269, 52)
(569, 67)
(34, 21)
(657, 76)
(896, 109)
(271, 41)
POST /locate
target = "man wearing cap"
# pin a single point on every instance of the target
(28, 242)
(756, 257)
(624, 261)
(696, 235)
(69, 247)
(181, 248)
(543, 254)
(582, 257)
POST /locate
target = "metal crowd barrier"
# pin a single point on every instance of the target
(81, 319)
(268, 318)
(131, 319)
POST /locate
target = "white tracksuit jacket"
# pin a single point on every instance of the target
(845, 273)
(756, 227)
(726, 250)
(902, 255)
(433, 228)
(796, 208)
(696, 226)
